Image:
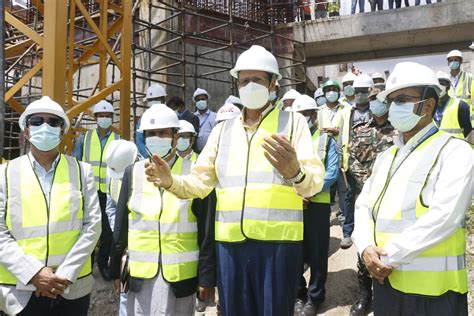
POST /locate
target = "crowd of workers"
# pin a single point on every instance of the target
(240, 199)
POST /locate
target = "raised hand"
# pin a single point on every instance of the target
(158, 172)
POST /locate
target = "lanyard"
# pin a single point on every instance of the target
(457, 81)
(204, 122)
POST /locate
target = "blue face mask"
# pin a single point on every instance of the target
(378, 108)
(201, 104)
(349, 91)
(183, 144)
(454, 65)
(158, 145)
(45, 137)
(332, 96)
(104, 122)
(402, 117)
(321, 101)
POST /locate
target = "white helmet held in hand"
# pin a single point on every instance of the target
(119, 155)
(159, 117)
(103, 107)
(256, 58)
(44, 105)
(304, 102)
(227, 111)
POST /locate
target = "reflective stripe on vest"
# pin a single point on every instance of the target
(93, 153)
(162, 228)
(450, 121)
(344, 134)
(463, 88)
(45, 232)
(253, 200)
(115, 185)
(397, 203)
(320, 144)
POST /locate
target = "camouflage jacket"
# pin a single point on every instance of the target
(367, 142)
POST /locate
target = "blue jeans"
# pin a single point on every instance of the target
(354, 5)
(258, 278)
(348, 225)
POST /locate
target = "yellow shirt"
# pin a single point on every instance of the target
(203, 178)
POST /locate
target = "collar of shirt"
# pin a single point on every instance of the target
(39, 168)
(398, 141)
(454, 79)
(106, 134)
(262, 115)
(197, 113)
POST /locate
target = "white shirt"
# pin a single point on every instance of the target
(448, 193)
(454, 80)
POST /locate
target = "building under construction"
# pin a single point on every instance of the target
(81, 51)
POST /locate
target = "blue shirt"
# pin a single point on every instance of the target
(79, 145)
(140, 141)
(207, 121)
(331, 164)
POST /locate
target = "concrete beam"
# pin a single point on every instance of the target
(391, 33)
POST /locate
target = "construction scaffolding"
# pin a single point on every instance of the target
(114, 49)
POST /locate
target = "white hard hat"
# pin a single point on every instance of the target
(227, 111)
(233, 99)
(288, 109)
(349, 77)
(304, 102)
(318, 93)
(200, 91)
(155, 91)
(44, 105)
(103, 107)
(119, 154)
(186, 127)
(158, 117)
(454, 53)
(256, 58)
(363, 81)
(292, 94)
(410, 74)
(441, 75)
(378, 75)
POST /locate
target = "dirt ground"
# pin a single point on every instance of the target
(341, 285)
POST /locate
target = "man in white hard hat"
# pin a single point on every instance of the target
(235, 101)
(368, 141)
(226, 112)
(119, 155)
(159, 230)
(379, 80)
(410, 217)
(348, 88)
(155, 94)
(177, 105)
(351, 118)
(261, 165)
(90, 148)
(316, 215)
(319, 97)
(288, 98)
(452, 114)
(461, 81)
(207, 118)
(49, 221)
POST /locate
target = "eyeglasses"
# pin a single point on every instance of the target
(402, 98)
(52, 121)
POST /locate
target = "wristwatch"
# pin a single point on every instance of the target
(296, 179)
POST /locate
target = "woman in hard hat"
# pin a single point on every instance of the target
(159, 230)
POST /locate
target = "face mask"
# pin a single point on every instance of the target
(104, 122)
(332, 96)
(378, 108)
(454, 65)
(45, 137)
(310, 122)
(273, 96)
(443, 92)
(321, 101)
(402, 116)
(183, 144)
(201, 104)
(254, 96)
(349, 91)
(158, 145)
(362, 98)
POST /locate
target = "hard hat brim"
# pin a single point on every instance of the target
(234, 72)
(383, 95)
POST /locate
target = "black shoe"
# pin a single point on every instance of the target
(310, 309)
(299, 305)
(361, 307)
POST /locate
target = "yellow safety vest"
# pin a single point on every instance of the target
(115, 184)
(396, 203)
(162, 228)
(450, 122)
(463, 88)
(334, 6)
(93, 153)
(253, 200)
(320, 144)
(45, 232)
(344, 135)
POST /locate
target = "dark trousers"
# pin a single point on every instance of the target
(258, 278)
(106, 235)
(315, 251)
(341, 192)
(390, 302)
(348, 225)
(376, 4)
(43, 306)
(398, 3)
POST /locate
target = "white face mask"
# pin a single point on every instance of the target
(321, 101)
(273, 96)
(254, 96)
(183, 144)
(310, 122)
(158, 145)
(332, 96)
(104, 122)
(45, 137)
(349, 91)
(402, 116)
(201, 104)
